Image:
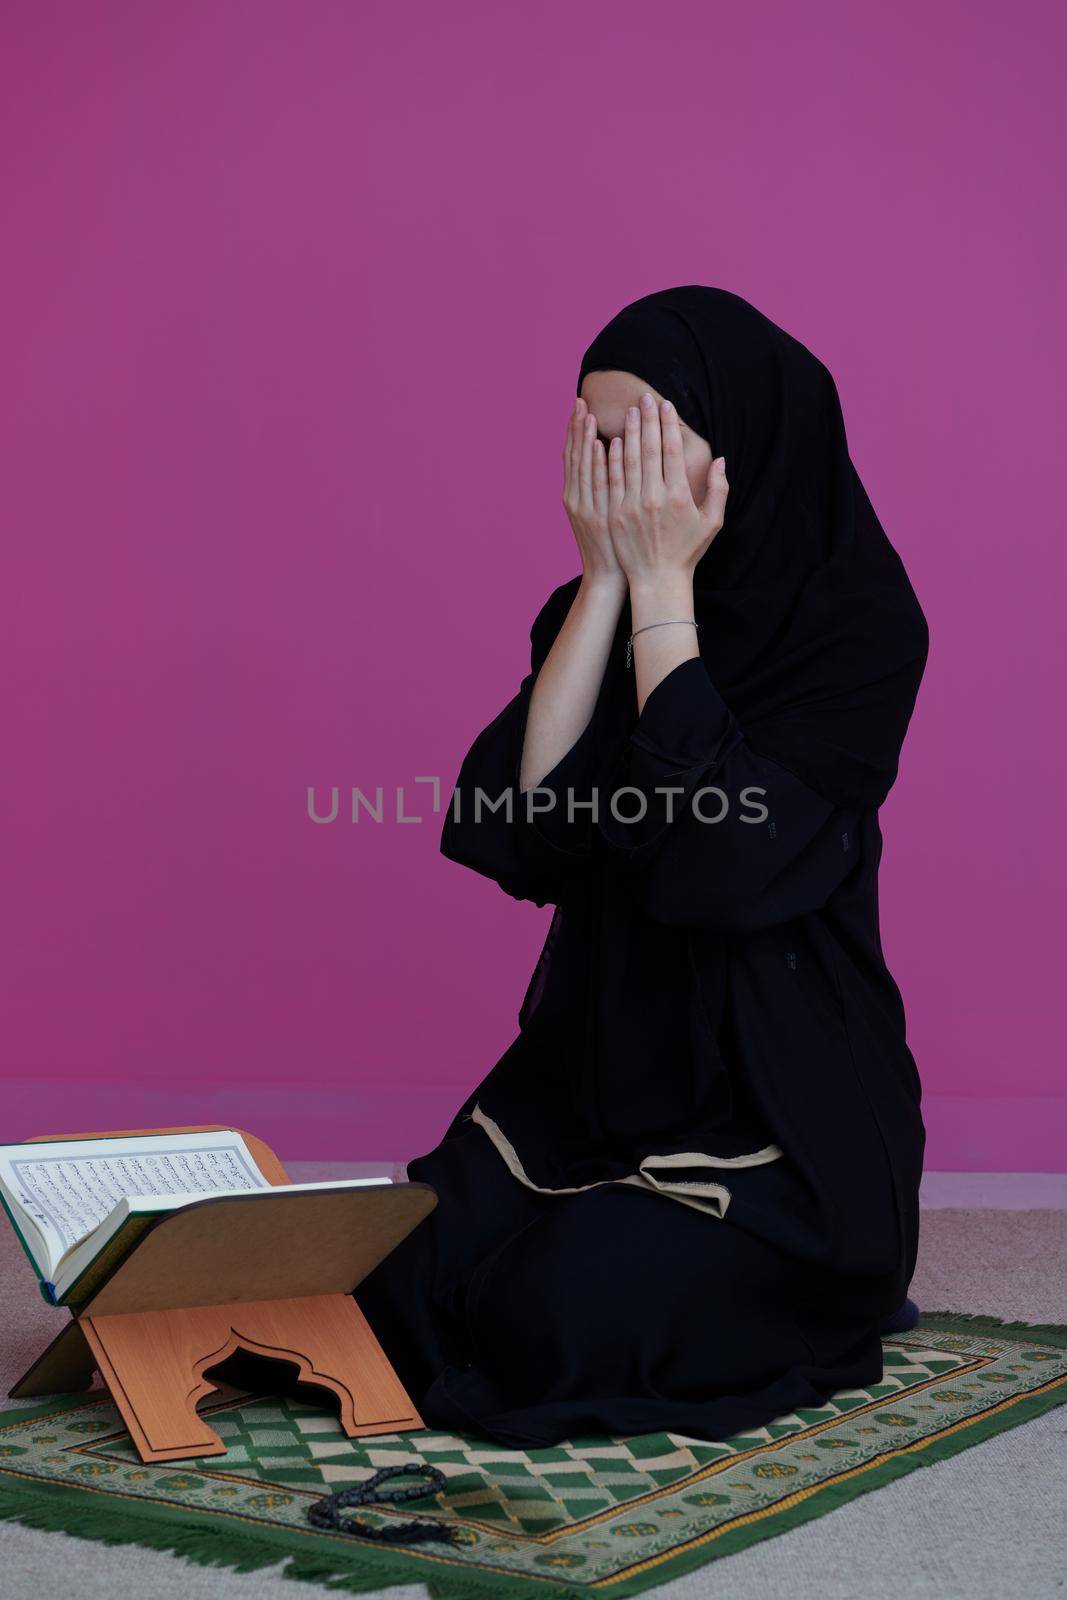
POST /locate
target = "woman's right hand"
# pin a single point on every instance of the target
(585, 497)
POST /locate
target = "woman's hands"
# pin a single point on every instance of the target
(585, 499)
(638, 528)
(632, 511)
(657, 534)
(657, 530)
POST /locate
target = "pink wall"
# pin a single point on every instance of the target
(293, 298)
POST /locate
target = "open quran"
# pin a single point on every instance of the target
(79, 1205)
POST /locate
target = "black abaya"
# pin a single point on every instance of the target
(687, 1194)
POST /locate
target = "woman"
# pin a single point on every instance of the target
(686, 1197)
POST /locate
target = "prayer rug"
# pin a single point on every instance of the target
(611, 1516)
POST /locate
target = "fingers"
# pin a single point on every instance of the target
(616, 476)
(585, 464)
(714, 507)
(651, 447)
(571, 447)
(600, 480)
(631, 451)
(674, 473)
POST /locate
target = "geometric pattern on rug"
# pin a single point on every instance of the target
(616, 1515)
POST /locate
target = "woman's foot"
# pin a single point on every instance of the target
(905, 1317)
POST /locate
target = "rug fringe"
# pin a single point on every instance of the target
(971, 1322)
(356, 1569)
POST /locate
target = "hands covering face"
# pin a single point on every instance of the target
(632, 510)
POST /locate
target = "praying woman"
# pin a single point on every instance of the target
(686, 1196)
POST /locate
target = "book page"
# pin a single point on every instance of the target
(68, 1187)
(82, 1265)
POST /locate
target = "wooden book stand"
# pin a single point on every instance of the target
(270, 1276)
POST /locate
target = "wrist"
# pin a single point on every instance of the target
(603, 587)
(657, 597)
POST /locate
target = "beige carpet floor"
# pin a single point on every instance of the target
(983, 1524)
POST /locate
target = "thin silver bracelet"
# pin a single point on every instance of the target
(672, 623)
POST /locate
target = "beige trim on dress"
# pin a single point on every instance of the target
(702, 1196)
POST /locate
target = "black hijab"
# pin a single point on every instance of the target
(809, 626)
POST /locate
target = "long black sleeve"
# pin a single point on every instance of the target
(770, 849)
(538, 850)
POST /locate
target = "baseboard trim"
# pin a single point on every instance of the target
(397, 1120)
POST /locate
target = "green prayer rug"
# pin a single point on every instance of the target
(613, 1516)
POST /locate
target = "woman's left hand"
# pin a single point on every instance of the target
(656, 527)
